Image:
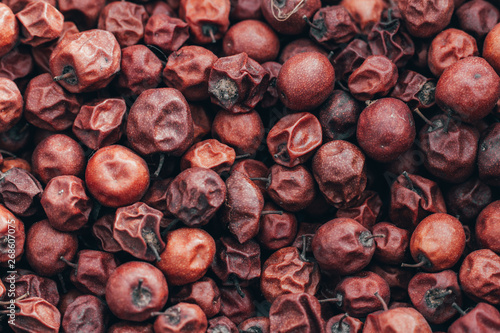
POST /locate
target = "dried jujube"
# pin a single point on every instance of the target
(437, 243)
(40, 23)
(468, 199)
(36, 315)
(152, 130)
(478, 78)
(135, 290)
(243, 207)
(388, 38)
(10, 29)
(165, 32)
(305, 80)
(414, 197)
(271, 95)
(237, 304)
(365, 12)
(140, 70)
(391, 243)
(375, 77)
(87, 313)
(426, 18)
(45, 246)
(131, 327)
(195, 195)
(16, 64)
(255, 38)
(343, 246)
(210, 154)
(414, 89)
(339, 115)
(245, 10)
(182, 317)
(188, 70)
(87, 61)
(350, 58)
(208, 20)
(11, 104)
(433, 294)
(187, 255)
(404, 319)
(236, 261)
(333, 25)
(286, 271)
(92, 270)
(292, 189)
(137, 229)
(488, 157)
(483, 318)
(202, 123)
(366, 209)
(339, 169)
(448, 47)
(66, 203)
(48, 105)
(116, 176)
(385, 129)
(126, 20)
(204, 293)
(99, 123)
(479, 276)
(397, 277)
(7, 222)
(20, 192)
(34, 286)
(356, 294)
(102, 229)
(294, 138)
(237, 83)
(275, 230)
(450, 148)
(487, 226)
(477, 17)
(242, 131)
(299, 312)
(255, 170)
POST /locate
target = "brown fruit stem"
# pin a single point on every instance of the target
(417, 265)
(328, 300)
(424, 118)
(279, 16)
(170, 226)
(152, 242)
(384, 304)
(308, 21)
(161, 162)
(458, 308)
(375, 236)
(69, 263)
(16, 299)
(330, 55)
(304, 247)
(64, 76)
(341, 322)
(208, 30)
(447, 123)
(5, 152)
(282, 152)
(236, 282)
(239, 157)
(267, 180)
(269, 212)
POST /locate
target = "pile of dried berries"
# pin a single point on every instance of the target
(251, 166)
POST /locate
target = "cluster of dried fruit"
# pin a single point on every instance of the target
(250, 166)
